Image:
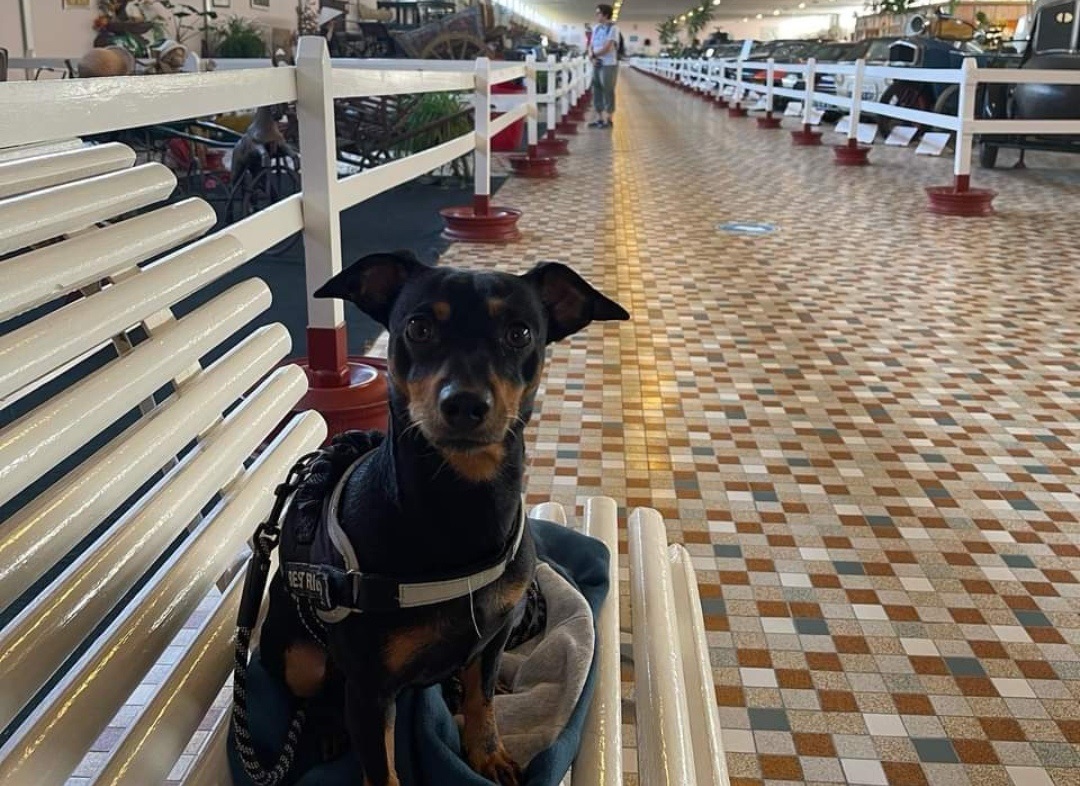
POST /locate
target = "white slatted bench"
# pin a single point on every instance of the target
(101, 570)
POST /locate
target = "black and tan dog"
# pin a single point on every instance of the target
(436, 509)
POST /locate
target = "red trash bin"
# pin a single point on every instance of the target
(511, 138)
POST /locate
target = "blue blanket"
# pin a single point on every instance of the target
(427, 744)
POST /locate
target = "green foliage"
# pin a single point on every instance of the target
(238, 37)
(422, 122)
(699, 18)
(668, 31)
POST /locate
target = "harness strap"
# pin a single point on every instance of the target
(329, 588)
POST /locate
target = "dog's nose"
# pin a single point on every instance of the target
(464, 409)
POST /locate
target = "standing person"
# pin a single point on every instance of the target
(604, 49)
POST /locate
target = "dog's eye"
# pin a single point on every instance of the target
(518, 336)
(419, 330)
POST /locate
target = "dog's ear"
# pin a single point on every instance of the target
(570, 301)
(374, 282)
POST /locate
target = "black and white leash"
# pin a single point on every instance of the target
(265, 541)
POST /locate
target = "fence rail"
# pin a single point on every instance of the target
(728, 78)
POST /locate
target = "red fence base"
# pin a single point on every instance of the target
(552, 145)
(361, 401)
(533, 164)
(736, 111)
(481, 222)
(851, 154)
(768, 121)
(566, 126)
(960, 199)
(806, 137)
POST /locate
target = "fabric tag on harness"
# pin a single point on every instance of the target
(308, 581)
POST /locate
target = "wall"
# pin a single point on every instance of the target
(60, 32)
(765, 29)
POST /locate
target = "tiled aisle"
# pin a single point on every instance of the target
(865, 427)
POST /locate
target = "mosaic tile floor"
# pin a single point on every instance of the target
(864, 426)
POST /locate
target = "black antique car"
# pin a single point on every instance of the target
(1053, 46)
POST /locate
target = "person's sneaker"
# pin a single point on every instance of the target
(606, 125)
(597, 124)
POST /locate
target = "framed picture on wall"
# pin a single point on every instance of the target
(222, 3)
(76, 3)
(264, 4)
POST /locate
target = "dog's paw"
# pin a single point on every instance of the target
(499, 767)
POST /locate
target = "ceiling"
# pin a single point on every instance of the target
(651, 11)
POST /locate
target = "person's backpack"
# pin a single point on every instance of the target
(622, 47)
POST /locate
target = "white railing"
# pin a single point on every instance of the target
(726, 78)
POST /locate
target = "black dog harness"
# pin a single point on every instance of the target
(319, 565)
(322, 574)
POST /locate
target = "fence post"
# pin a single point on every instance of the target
(854, 154)
(960, 199)
(807, 136)
(966, 116)
(327, 354)
(482, 124)
(856, 102)
(737, 109)
(808, 107)
(770, 76)
(530, 99)
(552, 77)
(532, 164)
(480, 222)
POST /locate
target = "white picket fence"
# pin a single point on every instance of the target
(728, 78)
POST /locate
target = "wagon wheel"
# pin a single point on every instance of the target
(901, 94)
(454, 46)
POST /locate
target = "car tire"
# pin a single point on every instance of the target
(988, 154)
(948, 103)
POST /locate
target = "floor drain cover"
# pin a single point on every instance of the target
(752, 228)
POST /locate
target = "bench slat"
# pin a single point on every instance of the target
(665, 753)
(30, 174)
(211, 764)
(51, 744)
(52, 626)
(154, 742)
(599, 760)
(38, 276)
(36, 537)
(709, 760)
(41, 439)
(43, 215)
(36, 349)
(14, 152)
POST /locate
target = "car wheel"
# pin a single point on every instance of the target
(899, 94)
(948, 103)
(988, 154)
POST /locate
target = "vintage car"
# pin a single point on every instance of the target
(875, 51)
(927, 49)
(1053, 45)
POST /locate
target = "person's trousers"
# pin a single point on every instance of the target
(603, 87)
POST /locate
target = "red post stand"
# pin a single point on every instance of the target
(960, 199)
(852, 154)
(806, 136)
